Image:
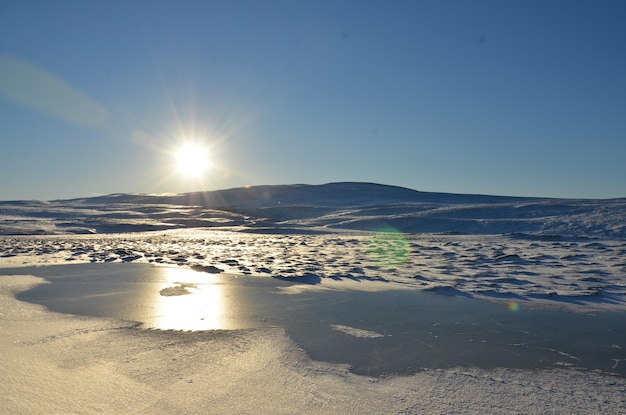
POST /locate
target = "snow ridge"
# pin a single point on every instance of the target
(328, 208)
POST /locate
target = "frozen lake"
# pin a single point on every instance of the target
(375, 332)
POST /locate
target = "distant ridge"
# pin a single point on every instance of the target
(345, 194)
(331, 207)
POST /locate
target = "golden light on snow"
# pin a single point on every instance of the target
(192, 160)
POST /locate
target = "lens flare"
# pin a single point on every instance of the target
(389, 248)
(35, 88)
(514, 306)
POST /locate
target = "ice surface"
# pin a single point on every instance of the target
(376, 333)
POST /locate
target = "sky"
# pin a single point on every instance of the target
(524, 98)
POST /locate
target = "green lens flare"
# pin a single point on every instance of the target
(514, 306)
(389, 248)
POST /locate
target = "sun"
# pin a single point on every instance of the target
(192, 160)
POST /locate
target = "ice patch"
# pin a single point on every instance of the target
(360, 333)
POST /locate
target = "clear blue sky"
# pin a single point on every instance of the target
(520, 97)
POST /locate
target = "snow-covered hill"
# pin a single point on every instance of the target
(329, 208)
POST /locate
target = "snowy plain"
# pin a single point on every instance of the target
(527, 253)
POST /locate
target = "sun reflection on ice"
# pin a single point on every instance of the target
(190, 300)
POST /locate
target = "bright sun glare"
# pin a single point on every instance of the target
(192, 160)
